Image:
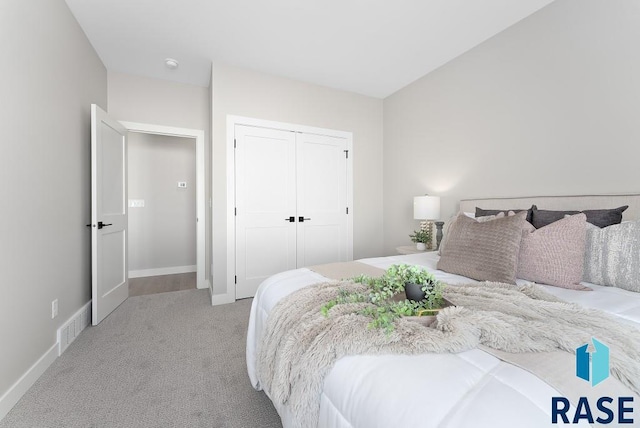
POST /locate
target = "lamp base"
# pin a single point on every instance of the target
(439, 225)
(427, 225)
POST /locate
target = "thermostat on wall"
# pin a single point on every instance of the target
(182, 184)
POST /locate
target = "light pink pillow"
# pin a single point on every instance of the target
(554, 254)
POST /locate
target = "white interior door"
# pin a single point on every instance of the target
(109, 282)
(265, 205)
(321, 200)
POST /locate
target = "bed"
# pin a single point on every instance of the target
(467, 389)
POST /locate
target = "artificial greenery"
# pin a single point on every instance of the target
(424, 234)
(380, 292)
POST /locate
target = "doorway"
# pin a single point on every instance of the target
(162, 213)
(166, 205)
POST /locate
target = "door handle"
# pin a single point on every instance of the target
(290, 219)
(302, 219)
(101, 224)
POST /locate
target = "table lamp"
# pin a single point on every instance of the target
(427, 208)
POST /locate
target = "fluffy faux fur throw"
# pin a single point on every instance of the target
(300, 345)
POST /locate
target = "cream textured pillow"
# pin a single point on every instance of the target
(484, 218)
(612, 255)
(484, 251)
(554, 254)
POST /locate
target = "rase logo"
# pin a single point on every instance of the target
(593, 367)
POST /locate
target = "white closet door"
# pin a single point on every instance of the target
(322, 199)
(265, 201)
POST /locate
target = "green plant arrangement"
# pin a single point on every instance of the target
(380, 293)
(424, 236)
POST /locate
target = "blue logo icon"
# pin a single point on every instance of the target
(594, 366)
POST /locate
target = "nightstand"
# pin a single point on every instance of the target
(409, 249)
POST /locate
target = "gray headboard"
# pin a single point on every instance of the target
(577, 203)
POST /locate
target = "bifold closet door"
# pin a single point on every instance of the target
(265, 202)
(321, 199)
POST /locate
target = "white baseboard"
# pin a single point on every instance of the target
(221, 299)
(162, 271)
(72, 328)
(205, 284)
(66, 334)
(22, 385)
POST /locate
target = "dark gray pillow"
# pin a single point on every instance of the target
(600, 218)
(482, 213)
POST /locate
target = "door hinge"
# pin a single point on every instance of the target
(235, 144)
(346, 154)
(235, 279)
(235, 211)
(347, 210)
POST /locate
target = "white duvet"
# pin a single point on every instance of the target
(469, 389)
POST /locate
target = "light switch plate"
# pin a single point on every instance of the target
(182, 184)
(136, 203)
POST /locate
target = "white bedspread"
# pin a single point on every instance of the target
(469, 389)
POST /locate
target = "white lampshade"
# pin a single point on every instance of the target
(426, 207)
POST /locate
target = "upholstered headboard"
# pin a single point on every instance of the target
(577, 203)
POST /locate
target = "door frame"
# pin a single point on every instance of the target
(232, 121)
(198, 135)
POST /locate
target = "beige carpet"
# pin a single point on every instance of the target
(162, 360)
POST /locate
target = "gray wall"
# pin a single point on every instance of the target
(160, 102)
(52, 77)
(162, 234)
(246, 93)
(548, 107)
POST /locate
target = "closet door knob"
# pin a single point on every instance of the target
(302, 219)
(291, 219)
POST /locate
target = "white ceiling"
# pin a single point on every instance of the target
(371, 47)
